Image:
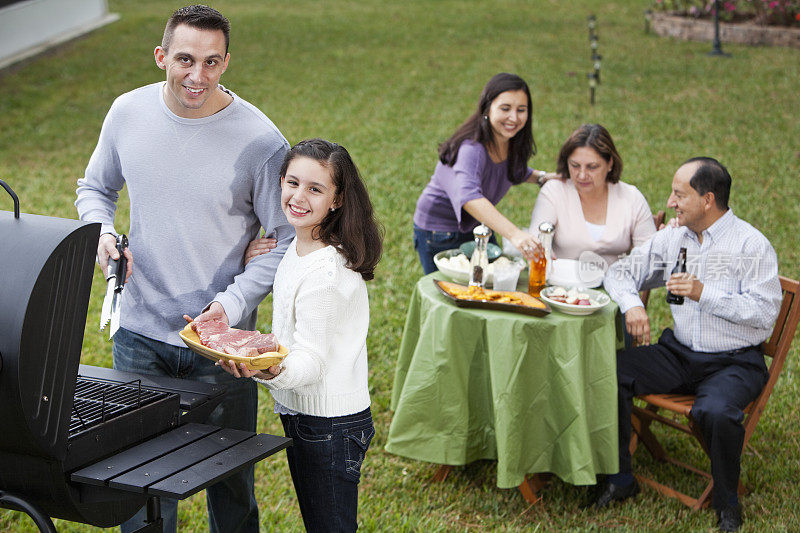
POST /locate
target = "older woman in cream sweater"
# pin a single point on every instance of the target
(591, 209)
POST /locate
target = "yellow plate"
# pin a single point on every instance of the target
(259, 362)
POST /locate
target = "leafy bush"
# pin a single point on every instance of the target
(773, 12)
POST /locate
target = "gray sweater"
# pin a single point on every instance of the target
(199, 191)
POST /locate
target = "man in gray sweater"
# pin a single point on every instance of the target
(202, 170)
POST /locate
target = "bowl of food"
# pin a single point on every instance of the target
(455, 265)
(492, 250)
(574, 300)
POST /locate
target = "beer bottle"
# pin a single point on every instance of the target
(538, 268)
(680, 267)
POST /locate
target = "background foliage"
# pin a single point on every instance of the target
(390, 80)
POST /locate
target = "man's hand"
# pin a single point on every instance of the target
(685, 284)
(638, 325)
(215, 311)
(107, 246)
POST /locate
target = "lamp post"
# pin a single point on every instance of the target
(716, 50)
(592, 85)
(596, 58)
(594, 76)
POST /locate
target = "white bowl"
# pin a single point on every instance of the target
(599, 300)
(462, 276)
(572, 273)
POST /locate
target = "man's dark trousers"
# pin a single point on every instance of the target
(724, 383)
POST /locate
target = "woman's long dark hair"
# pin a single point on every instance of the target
(351, 228)
(521, 146)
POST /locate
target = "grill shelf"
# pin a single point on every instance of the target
(98, 401)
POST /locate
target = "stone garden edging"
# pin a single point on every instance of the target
(692, 29)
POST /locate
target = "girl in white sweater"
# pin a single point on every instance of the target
(321, 314)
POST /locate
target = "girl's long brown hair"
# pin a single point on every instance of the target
(351, 228)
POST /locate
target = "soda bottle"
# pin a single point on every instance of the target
(680, 267)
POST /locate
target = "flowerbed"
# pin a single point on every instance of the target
(760, 12)
(752, 22)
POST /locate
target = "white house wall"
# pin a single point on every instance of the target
(31, 26)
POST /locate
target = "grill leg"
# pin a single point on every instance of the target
(41, 520)
(154, 523)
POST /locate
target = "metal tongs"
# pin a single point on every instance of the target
(115, 283)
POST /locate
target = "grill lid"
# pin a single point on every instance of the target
(46, 267)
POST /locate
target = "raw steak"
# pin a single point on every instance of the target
(216, 335)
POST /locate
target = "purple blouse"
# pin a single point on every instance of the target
(474, 175)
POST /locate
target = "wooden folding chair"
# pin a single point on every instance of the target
(658, 219)
(777, 347)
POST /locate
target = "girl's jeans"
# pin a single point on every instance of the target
(325, 461)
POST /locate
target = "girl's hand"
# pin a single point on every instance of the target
(259, 246)
(528, 245)
(549, 176)
(240, 370)
(672, 223)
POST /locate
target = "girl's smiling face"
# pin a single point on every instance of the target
(308, 194)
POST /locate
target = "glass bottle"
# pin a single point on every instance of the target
(680, 267)
(539, 264)
(479, 262)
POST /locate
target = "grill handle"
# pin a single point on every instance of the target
(10, 191)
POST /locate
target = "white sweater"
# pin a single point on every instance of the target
(321, 314)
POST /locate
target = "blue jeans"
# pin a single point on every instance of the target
(429, 243)
(325, 461)
(231, 502)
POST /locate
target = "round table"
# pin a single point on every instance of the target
(538, 394)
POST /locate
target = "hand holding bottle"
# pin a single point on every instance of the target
(686, 285)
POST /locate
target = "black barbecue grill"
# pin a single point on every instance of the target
(83, 443)
(95, 401)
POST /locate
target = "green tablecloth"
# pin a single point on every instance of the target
(537, 394)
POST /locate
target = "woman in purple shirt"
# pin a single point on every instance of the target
(477, 165)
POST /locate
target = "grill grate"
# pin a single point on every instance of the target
(98, 401)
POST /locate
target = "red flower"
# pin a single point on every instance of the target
(797, 17)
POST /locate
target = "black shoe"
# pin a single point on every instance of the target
(729, 519)
(613, 493)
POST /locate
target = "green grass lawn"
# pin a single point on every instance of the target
(391, 80)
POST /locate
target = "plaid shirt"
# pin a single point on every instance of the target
(738, 267)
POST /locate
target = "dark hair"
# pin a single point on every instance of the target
(596, 137)
(352, 228)
(711, 176)
(521, 146)
(200, 17)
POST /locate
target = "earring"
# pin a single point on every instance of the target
(333, 209)
(485, 117)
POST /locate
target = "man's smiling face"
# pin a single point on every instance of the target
(194, 63)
